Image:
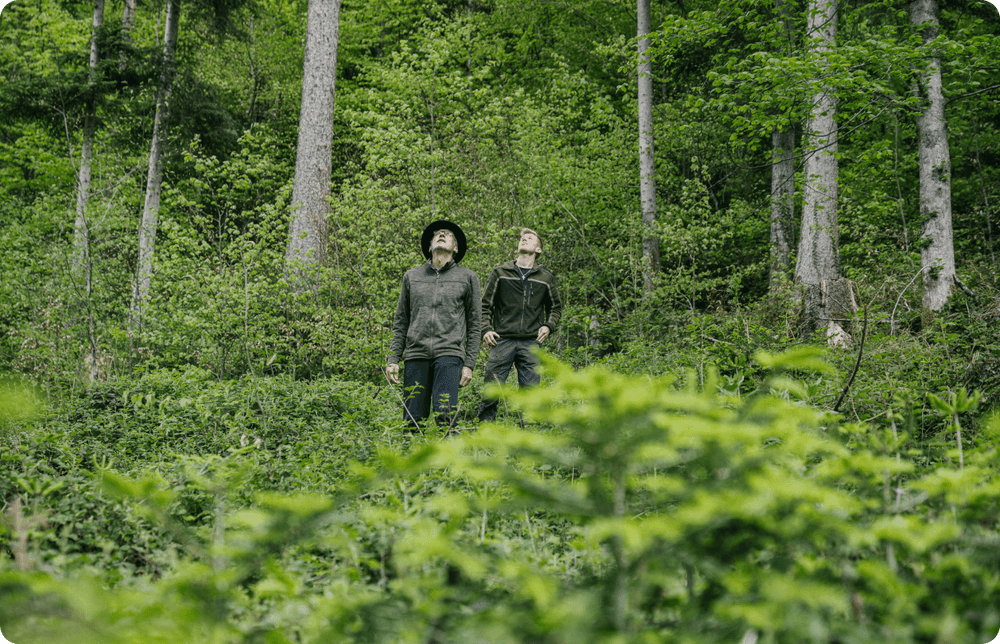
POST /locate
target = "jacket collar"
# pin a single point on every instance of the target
(512, 265)
(448, 266)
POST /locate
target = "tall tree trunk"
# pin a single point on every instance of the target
(647, 159)
(128, 21)
(81, 228)
(307, 235)
(818, 264)
(80, 232)
(154, 178)
(782, 178)
(937, 256)
(782, 203)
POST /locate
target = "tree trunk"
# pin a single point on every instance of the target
(154, 178)
(782, 179)
(307, 235)
(782, 204)
(818, 262)
(128, 21)
(937, 256)
(81, 228)
(647, 160)
(80, 232)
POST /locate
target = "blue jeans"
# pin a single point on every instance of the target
(431, 383)
(503, 356)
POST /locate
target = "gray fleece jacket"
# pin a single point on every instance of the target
(438, 314)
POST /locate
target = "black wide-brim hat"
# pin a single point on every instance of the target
(425, 239)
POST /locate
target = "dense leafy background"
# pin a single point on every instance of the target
(691, 470)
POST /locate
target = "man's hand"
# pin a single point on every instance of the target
(392, 371)
(466, 377)
(543, 332)
(491, 338)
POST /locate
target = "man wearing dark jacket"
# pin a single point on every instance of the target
(521, 307)
(437, 326)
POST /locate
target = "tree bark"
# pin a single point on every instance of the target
(128, 18)
(307, 235)
(937, 256)
(647, 159)
(782, 204)
(818, 262)
(80, 232)
(128, 21)
(154, 178)
(782, 180)
(81, 227)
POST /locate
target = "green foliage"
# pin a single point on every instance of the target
(237, 472)
(19, 403)
(629, 509)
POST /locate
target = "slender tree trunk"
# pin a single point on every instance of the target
(782, 203)
(154, 179)
(647, 159)
(307, 235)
(937, 256)
(818, 262)
(986, 202)
(81, 228)
(128, 18)
(782, 179)
(128, 21)
(81, 234)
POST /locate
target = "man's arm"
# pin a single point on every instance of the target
(400, 324)
(487, 299)
(473, 325)
(554, 308)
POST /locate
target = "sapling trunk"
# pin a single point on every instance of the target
(958, 436)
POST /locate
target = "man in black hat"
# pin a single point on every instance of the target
(437, 326)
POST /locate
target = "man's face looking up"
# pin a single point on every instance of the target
(444, 239)
(529, 244)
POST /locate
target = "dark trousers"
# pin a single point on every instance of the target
(431, 384)
(505, 354)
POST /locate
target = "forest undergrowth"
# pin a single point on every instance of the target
(722, 485)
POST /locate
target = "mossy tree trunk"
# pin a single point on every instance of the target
(937, 254)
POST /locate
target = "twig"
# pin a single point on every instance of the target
(857, 363)
(892, 328)
(968, 291)
(401, 401)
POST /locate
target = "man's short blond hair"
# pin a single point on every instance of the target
(537, 236)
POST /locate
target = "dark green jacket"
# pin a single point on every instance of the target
(517, 308)
(437, 315)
